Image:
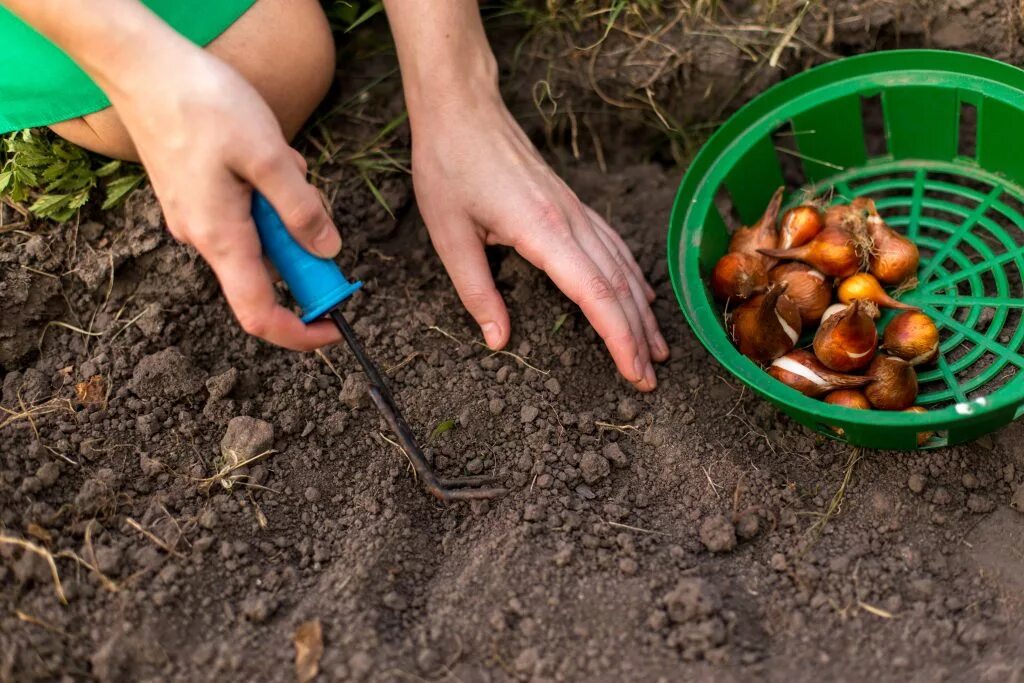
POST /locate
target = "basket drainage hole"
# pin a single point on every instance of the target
(968, 135)
(784, 141)
(873, 116)
(937, 440)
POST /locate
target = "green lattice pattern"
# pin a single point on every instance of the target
(948, 173)
(971, 267)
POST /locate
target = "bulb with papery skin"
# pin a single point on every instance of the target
(894, 258)
(760, 235)
(913, 337)
(800, 370)
(738, 276)
(840, 249)
(893, 383)
(849, 398)
(847, 340)
(865, 286)
(767, 326)
(800, 225)
(809, 289)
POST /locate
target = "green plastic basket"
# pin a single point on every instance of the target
(946, 167)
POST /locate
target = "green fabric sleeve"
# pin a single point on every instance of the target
(40, 85)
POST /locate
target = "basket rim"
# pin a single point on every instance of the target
(968, 70)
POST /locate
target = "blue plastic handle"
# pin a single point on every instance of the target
(317, 284)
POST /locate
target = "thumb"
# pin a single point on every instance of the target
(466, 263)
(279, 176)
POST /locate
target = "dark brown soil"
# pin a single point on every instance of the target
(676, 536)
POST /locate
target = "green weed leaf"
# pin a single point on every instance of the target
(440, 429)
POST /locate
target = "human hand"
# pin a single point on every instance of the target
(207, 138)
(479, 180)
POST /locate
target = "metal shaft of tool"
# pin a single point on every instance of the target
(462, 488)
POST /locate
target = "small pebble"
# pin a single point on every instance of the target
(594, 467)
(496, 406)
(718, 534)
(529, 413)
(980, 504)
(628, 408)
(970, 481)
(916, 483)
(312, 494)
(778, 562)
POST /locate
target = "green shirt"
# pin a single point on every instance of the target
(40, 85)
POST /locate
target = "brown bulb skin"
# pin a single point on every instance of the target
(800, 225)
(893, 385)
(913, 337)
(866, 286)
(837, 251)
(800, 370)
(767, 326)
(849, 398)
(809, 289)
(760, 235)
(894, 258)
(738, 276)
(847, 340)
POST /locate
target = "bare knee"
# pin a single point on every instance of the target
(101, 132)
(285, 49)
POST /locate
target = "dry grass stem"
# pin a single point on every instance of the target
(43, 553)
(402, 451)
(877, 611)
(159, 542)
(229, 464)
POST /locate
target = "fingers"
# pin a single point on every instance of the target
(621, 247)
(464, 259)
(280, 176)
(575, 273)
(620, 278)
(248, 290)
(656, 342)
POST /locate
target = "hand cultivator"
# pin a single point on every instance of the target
(319, 287)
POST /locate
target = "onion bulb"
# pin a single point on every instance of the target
(761, 235)
(800, 225)
(865, 286)
(894, 258)
(893, 383)
(767, 326)
(922, 437)
(808, 288)
(847, 340)
(738, 276)
(913, 337)
(839, 250)
(800, 370)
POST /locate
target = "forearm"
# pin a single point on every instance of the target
(104, 37)
(445, 58)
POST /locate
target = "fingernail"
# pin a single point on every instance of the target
(638, 369)
(662, 345)
(327, 243)
(492, 334)
(650, 377)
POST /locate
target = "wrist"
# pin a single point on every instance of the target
(464, 83)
